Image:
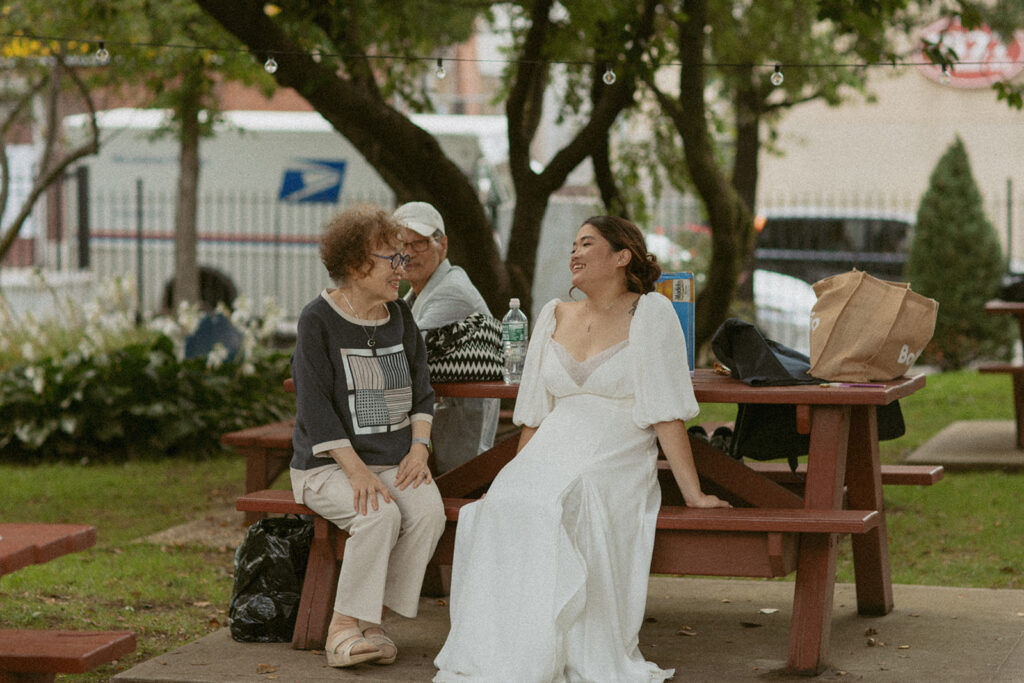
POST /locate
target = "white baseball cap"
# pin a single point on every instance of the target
(420, 217)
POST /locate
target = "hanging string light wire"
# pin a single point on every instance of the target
(270, 64)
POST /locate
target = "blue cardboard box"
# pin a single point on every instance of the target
(678, 287)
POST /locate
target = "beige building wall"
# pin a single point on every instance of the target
(880, 155)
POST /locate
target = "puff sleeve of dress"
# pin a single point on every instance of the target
(533, 402)
(664, 390)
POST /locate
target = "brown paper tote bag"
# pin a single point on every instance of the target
(864, 329)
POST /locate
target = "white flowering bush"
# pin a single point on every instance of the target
(97, 384)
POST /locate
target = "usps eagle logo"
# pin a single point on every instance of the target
(316, 181)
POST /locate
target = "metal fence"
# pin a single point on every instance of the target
(264, 248)
(268, 249)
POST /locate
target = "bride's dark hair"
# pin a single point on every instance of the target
(643, 269)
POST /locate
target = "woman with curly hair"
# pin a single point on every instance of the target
(550, 573)
(364, 412)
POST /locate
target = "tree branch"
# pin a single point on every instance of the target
(50, 171)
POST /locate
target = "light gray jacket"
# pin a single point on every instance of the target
(463, 427)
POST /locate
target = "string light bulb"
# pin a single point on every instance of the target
(102, 54)
(777, 77)
(609, 75)
(946, 77)
(440, 72)
(270, 66)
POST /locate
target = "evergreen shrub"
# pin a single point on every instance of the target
(955, 258)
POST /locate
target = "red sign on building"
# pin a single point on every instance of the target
(983, 57)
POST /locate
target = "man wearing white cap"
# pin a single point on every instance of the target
(440, 295)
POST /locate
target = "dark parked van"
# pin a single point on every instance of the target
(812, 245)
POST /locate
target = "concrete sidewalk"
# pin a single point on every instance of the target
(973, 445)
(709, 630)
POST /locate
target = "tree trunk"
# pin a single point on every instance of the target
(407, 157)
(51, 167)
(747, 104)
(186, 265)
(730, 218)
(524, 107)
(611, 194)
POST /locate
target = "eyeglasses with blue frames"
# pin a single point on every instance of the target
(398, 260)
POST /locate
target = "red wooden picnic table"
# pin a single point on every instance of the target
(40, 654)
(843, 472)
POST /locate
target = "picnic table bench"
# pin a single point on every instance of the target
(1016, 371)
(38, 655)
(774, 529)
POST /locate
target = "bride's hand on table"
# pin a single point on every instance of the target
(706, 500)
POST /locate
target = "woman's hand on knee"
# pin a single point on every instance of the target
(366, 486)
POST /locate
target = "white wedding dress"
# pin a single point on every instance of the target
(549, 580)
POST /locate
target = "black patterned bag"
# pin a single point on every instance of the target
(467, 350)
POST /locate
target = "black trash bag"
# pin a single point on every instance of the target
(270, 566)
(767, 431)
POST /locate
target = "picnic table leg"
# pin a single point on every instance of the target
(1018, 405)
(811, 626)
(316, 605)
(262, 466)
(864, 492)
(255, 476)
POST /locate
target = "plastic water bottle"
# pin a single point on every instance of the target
(514, 336)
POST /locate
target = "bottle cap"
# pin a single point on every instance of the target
(513, 302)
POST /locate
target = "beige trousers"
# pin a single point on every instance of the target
(388, 549)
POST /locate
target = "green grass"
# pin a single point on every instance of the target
(965, 531)
(168, 596)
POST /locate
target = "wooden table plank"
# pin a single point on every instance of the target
(36, 543)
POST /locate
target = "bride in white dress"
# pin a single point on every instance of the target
(549, 580)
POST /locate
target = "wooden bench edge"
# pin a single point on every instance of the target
(795, 520)
(271, 500)
(1001, 367)
(670, 517)
(745, 519)
(45, 651)
(892, 475)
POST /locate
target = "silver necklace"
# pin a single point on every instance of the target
(370, 338)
